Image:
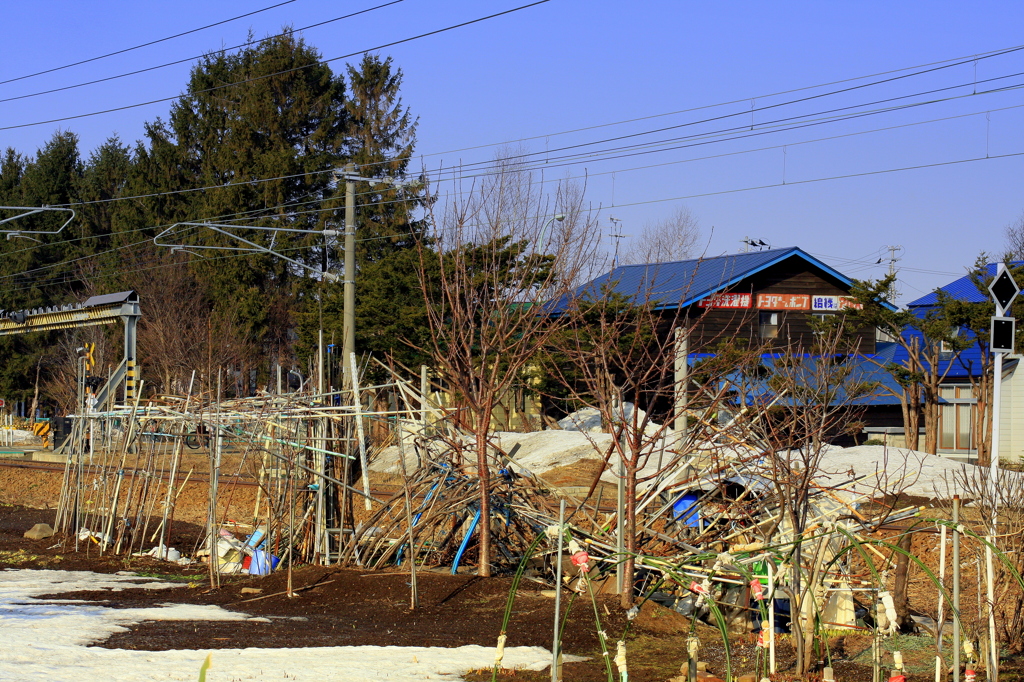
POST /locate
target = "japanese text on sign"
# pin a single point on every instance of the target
(783, 301)
(833, 303)
(726, 301)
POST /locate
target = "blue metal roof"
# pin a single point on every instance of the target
(965, 365)
(862, 369)
(963, 289)
(683, 283)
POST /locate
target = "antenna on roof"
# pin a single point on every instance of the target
(616, 234)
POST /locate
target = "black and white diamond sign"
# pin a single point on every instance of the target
(1003, 289)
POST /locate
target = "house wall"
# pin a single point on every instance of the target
(1011, 414)
(791, 276)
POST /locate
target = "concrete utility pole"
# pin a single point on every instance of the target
(349, 323)
(349, 316)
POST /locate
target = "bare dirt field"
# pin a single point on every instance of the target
(333, 606)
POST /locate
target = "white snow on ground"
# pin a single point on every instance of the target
(47, 640)
(19, 435)
(587, 419)
(894, 469)
(879, 468)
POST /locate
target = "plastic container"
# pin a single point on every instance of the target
(262, 563)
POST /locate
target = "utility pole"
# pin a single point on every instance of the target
(349, 323)
(893, 258)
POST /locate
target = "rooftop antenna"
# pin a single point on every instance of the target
(616, 234)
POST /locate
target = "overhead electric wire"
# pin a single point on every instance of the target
(546, 153)
(188, 59)
(794, 183)
(152, 42)
(960, 61)
(599, 156)
(730, 191)
(762, 128)
(754, 150)
(235, 216)
(248, 215)
(281, 73)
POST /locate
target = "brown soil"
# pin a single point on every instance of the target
(334, 606)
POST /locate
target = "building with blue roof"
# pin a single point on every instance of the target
(759, 296)
(957, 414)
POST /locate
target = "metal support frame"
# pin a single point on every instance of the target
(95, 311)
(249, 246)
(32, 210)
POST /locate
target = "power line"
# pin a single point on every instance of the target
(280, 73)
(188, 59)
(959, 61)
(593, 156)
(248, 214)
(152, 42)
(740, 190)
(546, 153)
(792, 183)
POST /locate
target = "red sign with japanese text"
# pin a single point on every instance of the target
(726, 301)
(784, 301)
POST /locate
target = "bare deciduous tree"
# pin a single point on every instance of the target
(617, 355)
(486, 278)
(670, 239)
(814, 394)
(1015, 239)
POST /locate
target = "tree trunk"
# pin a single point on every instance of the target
(911, 417)
(931, 424)
(629, 541)
(900, 597)
(35, 395)
(981, 422)
(484, 475)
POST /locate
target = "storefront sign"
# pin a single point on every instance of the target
(833, 303)
(726, 301)
(783, 301)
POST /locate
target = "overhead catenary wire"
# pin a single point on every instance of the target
(280, 73)
(791, 183)
(146, 44)
(319, 200)
(762, 130)
(189, 59)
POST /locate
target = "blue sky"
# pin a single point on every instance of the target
(581, 65)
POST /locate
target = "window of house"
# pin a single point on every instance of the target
(769, 324)
(819, 318)
(956, 418)
(946, 346)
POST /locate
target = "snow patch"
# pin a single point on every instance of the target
(48, 640)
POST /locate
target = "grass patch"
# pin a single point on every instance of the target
(20, 556)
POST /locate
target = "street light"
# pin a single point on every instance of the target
(544, 230)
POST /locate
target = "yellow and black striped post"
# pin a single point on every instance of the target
(42, 430)
(129, 381)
